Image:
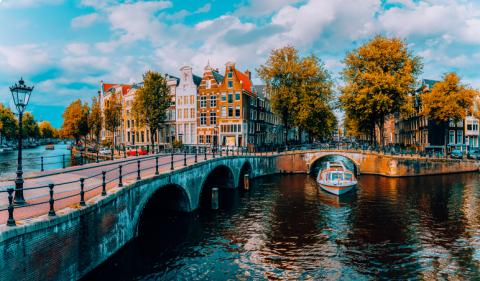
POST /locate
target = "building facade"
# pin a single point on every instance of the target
(186, 106)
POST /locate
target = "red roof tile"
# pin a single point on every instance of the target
(246, 83)
(125, 87)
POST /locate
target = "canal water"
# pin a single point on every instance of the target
(285, 228)
(31, 159)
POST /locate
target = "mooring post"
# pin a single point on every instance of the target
(214, 198)
(11, 220)
(41, 168)
(120, 179)
(185, 158)
(156, 165)
(104, 184)
(171, 162)
(51, 212)
(82, 192)
(138, 170)
(246, 182)
(63, 161)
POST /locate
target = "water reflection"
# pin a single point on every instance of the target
(285, 228)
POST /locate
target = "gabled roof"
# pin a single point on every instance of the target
(125, 87)
(429, 83)
(197, 80)
(171, 77)
(218, 77)
(246, 83)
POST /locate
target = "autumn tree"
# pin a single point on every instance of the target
(8, 121)
(379, 78)
(95, 120)
(113, 114)
(448, 100)
(151, 102)
(30, 127)
(301, 89)
(46, 130)
(75, 120)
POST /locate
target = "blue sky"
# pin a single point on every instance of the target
(65, 48)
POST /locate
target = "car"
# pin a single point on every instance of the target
(474, 154)
(105, 151)
(456, 154)
(135, 152)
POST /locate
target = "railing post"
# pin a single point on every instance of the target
(81, 158)
(104, 184)
(82, 192)
(196, 155)
(171, 162)
(238, 151)
(138, 170)
(11, 220)
(120, 180)
(205, 153)
(113, 152)
(156, 165)
(51, 212)
(63, 161)
(41, 164)
(124, 152)
(227, 150)
(185, 158)
(220, 148)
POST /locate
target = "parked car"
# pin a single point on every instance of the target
(139, 151)
(456, 154)
(474, 154)
(105, 151)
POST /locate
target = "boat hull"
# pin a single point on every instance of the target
(337, 190)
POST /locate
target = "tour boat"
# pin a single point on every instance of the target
(336, 179)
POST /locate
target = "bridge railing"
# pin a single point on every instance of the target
(131, 168)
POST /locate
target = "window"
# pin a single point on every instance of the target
(200, 139)
(208, 84)
(230, 74)
(237, 111)
(203, 119)
(203, 101)
(451, 137)
(128, 135)
(237, 95)
(128, 123)
(192, 113)
(213, 118)
(180, 114)
(224, 96)
(185, 113)
(224, 111)
(230, 84)
(230, 97)
(459, 137)
(209, 138)
(213, 101)
(230, 111)
(191, 99)
(469, 127)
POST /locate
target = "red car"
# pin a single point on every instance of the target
(134, 152)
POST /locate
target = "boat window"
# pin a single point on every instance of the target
(348, 177)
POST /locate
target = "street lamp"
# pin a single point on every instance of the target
(21, 95)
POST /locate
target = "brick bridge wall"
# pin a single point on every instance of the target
(70, 245)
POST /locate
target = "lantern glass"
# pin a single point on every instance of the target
(21, 95)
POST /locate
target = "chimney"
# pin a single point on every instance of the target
(249, 74)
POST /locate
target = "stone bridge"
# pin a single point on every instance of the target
(78, 238)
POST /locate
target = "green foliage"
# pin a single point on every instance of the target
(301, 91)
(379, 78)
(151, 102)
(30, 127)
(75, 120)
(113, 112)
(95, 119)
(8, 123)
(46, 130)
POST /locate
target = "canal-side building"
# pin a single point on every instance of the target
(270, 129)
(186, 106)
(238, 106)
(105, 94)
(167, 132)
(208, 109)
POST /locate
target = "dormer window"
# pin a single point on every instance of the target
(230, 75)
(208, 84)
(230, 84)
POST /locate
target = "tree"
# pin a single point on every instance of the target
(449, 100)
(46, 130)
(9, 124)
(75, 120)
(113, 114)
(30, 126)
(301, 91)
(95, 120)
(379, 78)
(314, 113)
(151, 102)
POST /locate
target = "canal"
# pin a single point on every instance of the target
(285, 228)
(53, 159)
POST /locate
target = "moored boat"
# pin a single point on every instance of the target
(336, 179)
(49, 147)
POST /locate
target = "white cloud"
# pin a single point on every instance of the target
(85, 20)
(204, 9)
(27, 3)
(258, 8)
(26, 58)
(77, 49)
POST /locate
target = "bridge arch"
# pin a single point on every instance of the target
(171, 197)
(221, 176)
(245, 169)
(314, 163)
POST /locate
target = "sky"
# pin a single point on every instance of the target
(65, 48)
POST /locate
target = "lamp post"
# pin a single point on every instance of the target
(21, 95)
